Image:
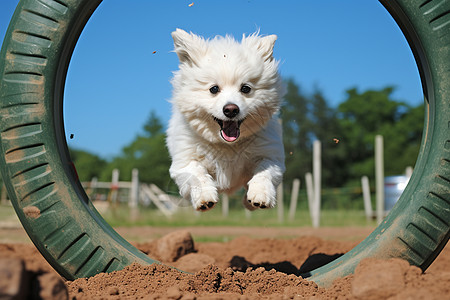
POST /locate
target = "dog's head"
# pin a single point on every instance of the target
(226, 89)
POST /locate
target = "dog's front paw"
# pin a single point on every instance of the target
(260, 194)
(204, 199)
(204, 206)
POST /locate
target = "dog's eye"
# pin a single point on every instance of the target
(245, 89)
(214, 89)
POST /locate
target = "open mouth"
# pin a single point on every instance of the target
(229, 129)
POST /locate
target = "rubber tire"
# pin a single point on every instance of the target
(74, 238)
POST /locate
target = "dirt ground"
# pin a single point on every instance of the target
(252, 263)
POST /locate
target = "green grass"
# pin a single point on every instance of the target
(120, 217)
(6, 212)
(237, 217)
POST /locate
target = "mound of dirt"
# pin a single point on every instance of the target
(244, 268)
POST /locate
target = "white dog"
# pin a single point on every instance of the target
(223, 133)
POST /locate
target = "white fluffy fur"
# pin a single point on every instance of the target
(203, 163)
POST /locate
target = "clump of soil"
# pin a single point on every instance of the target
(244, 268)
(20, 280)
(175, 245)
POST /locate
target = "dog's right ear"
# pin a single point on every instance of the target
(188, 46)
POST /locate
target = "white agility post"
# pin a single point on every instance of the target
(225, 205)
(366, 197)
(248, 214)
(114, 185)
(115, 178)
(134, 195)
(310, 192)
(409, 171)
(280, 204)
(379, 177)
(91, 188)
(317, 170)
(93, 183)
(134, 191)
(294, 198)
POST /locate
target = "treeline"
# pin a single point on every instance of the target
(347, 133)
(147, 153)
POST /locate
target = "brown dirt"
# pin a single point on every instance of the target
(243, 268)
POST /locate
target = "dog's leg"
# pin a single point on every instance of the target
(262, 187)
(197, 185)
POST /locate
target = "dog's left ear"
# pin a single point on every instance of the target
(264, 45)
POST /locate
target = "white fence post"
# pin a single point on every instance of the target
(366, 197)
(90, 191)
(134, 195)
(317, 169)
(309, 192)
(379, 177)
(248, 214)
(225, 205)
(294, 198)
(134, 191)
(280, 204)
(114, 188)
(409, 171)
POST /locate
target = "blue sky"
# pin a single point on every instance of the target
(115, 79)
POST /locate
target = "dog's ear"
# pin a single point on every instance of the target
(264, 45)
(188, 46)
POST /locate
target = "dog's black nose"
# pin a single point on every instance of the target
(231, 110)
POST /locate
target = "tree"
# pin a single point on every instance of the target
(347, 133)
(153, 126)
(88, 165)
(305, 119)
(147, 153)
(327, 130)
(364, 115)
(402, 141)
(296, 132)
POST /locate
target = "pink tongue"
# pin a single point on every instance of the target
(230, 131)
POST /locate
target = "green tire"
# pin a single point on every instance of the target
(74, 238)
